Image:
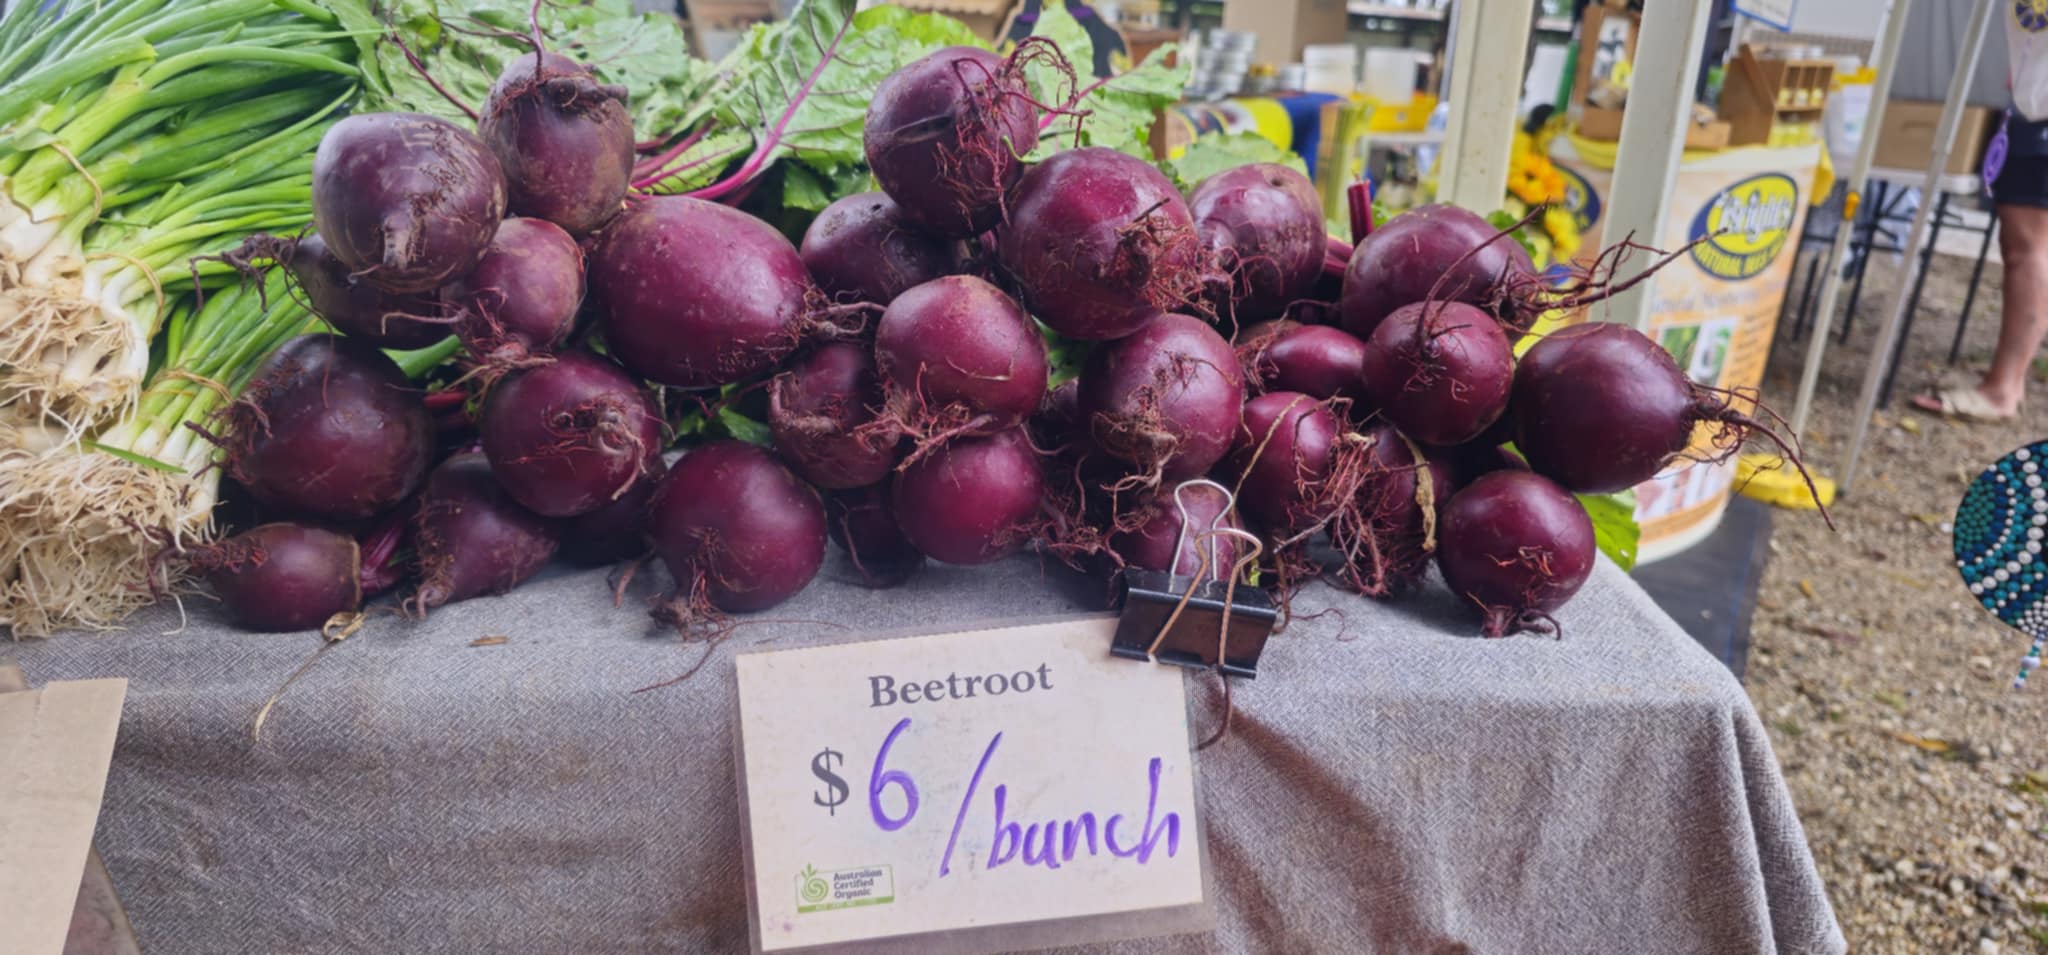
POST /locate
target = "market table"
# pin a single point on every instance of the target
(1392, 784)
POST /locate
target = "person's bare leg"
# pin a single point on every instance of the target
(2023, 321)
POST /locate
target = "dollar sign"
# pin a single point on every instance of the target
(821, 766)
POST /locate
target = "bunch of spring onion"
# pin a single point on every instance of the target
(134, 135)
(137, 138)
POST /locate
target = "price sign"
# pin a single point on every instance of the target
(981, 791)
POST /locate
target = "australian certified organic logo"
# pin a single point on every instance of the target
(1745, 226)
(1580, 199)
(820, 890)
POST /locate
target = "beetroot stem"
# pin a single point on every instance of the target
(773, 140)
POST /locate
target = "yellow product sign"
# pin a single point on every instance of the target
(1580, 198)
(1745, 226)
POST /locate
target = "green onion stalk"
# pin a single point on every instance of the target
(82, 526)
(136, 135)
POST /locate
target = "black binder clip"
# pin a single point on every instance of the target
(1193, 621)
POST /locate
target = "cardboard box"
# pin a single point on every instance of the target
(1906, 141)
(1285, 26)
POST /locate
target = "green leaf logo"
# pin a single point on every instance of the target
(814, 889)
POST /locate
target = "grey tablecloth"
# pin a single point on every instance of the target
(1393, 785)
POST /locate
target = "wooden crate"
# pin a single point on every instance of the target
(1760, 93)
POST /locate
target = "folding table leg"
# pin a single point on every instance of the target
(1805, 324)
(1863, 260)
(1955, 347)
(1891, 375)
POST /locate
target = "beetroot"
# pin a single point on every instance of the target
(1435, 252)
(861, 524)
(959, 357)
(617, 530)
(405, 200)
(864, 249)
(1440, 371)
(695, 294)
(1316, 360)
(1156, 540)
(1600, 407)
(973, 500)
(1165, 399)
(737, 531)
(564, 139)
(278, 578)
(1518, 546)
(816, 408)
(946, 134)
(360, 310)
(522, 297)
(569, 436)
(1388, 535)
(1282, 457)
(1262, 225)
(1100, 242)
(328, 427)
(471, 538)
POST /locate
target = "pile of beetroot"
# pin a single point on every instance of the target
(900, 359)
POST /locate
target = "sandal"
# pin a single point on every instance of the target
(1961, 402)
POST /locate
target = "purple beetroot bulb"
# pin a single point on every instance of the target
(523, 295)
(946, 135)
(571, 435)
(861, 523)
(957, 347)
(972, 501)
(1100, 241)
(862, 248)
(358, 309)
(471, 538)
(1159, 542)
(1440, 371)
(1517, 546)
(735, 528)
(406, 201)
(816, 410)
(1165, 399)
(695, 294)
(278, 578)
(1282, 456)
(1262, 225)
(329, 428)
(617, 530)
(564, 140)
(1435, 252)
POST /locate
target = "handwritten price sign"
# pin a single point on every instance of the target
(1000, 789)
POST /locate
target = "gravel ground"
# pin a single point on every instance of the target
(1920, 777)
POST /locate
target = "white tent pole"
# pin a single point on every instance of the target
(1488, 43)
(1857, 179)
(1668, 51)
(1944, 132)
